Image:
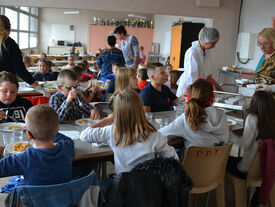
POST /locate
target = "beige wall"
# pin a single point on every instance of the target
(224, 18)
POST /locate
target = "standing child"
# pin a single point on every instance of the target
(43, 73)
(68, 104)
(168, 68)
(201, 124)
(132, 138)
(259, 125)
(11, 105)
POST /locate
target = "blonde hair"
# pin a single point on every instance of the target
(129, 119)
(199, 93)
(268, 33)
(42, 122)
(4, 30)
(66, 75)
(123, 78)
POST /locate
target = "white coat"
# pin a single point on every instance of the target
(196, 65)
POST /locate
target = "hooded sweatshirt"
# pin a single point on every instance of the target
(213, 131)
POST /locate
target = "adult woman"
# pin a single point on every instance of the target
(266, 72)
(197, 61)
(108, 57)
(129, 47)
(10, 54)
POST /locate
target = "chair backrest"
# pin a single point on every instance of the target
(254, 176)
(206, 166)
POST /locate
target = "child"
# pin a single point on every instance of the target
(168, 68)
(142, 78)
(259, 125)
(47, 163)
(201, 124)
(70, 62)
(142, 56)
(68, 104)
(11, 105)
(43, 73)
(86, 95)
(85, 76)
(173, 77)
(131, 137)
(155, 95)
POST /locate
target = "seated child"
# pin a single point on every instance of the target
(10, 103)
(87, 94)
(47, 163)
(201, 124)
(85, 76)
(155, 95)
(173, 77)
(43, 73)
(66, 101)
(70, 62)
(142, 78)
(168, 68)
(131, 137)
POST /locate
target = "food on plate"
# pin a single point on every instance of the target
(229, 122)
(82, 121)
(232, 68)
(20, 146)
(51, 87)
(15, 127)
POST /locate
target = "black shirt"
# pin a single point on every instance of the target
(11, 61)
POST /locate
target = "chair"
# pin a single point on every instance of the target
(81, 192)
(206, 167)
(253, 179)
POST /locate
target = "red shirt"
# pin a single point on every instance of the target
(141, 84)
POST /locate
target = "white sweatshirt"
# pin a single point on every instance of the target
(213, 131)
(126, 158)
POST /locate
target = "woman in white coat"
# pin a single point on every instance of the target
(197, 61)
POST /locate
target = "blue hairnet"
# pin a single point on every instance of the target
(208, 34)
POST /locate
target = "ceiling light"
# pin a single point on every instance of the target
(71, 12)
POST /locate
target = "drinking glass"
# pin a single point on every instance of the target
(149, 116)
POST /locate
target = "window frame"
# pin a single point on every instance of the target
(18, 30)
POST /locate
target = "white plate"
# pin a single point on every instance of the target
(5, 126)
(253, 86)
(86, 121)
(72, 134)
(9, 148)
(49, 88)
(25, 89)
(231, 122)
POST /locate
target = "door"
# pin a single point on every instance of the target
(175, 46)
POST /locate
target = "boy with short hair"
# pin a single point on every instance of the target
(47, 163)
(66, 101)
(11, 105)
(155, 95)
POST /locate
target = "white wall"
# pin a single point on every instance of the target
(256, 15)
(163, 27)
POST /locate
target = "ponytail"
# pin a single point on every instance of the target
(195, 114)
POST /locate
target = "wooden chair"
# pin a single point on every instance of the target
(253, 179)
(206, 167)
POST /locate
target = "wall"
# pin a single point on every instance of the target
(256, 15)
(163, 26)
(49, 16)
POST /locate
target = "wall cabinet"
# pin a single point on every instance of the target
(182, 36)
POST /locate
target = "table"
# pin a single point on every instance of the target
(64, 62)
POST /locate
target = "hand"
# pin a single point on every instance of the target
(2, 115)
(71, 96)
(219, 88)
(90, 85)
(104, 122)
(2, 149)
(94, 115)
(95, 89)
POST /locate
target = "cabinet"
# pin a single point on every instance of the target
(54, 50)
(182, 36)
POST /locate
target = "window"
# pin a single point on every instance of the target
(24, 25)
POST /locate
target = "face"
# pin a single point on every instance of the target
(265, 44)
(160, 76)
(169, 69)
(133, 81)
(70, 60)
(68, 86)
(210, 45)
(114, 69)
(42, 67)
(8, 92)
(119, 36)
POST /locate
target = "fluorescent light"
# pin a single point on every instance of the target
(71, 12)
(136, 16)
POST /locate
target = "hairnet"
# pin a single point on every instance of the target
(208, 34)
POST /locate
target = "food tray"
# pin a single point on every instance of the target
(227, 100)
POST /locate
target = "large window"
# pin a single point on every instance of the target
(24, 25)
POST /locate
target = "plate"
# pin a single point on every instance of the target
(11, 126)
(25, 89)
(9, 147)
(51, 88)
(231, 122)
(86, 121)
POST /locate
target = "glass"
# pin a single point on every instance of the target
(34, 24)
(26, 9)
(13, 16)
(34, 11)
(23, 40)
(24, 22)
(149, 116)
(263, 44)
(14, 36)
(17, 135)
(33, 40)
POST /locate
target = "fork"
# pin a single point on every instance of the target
(11, 117)
(82, 108)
